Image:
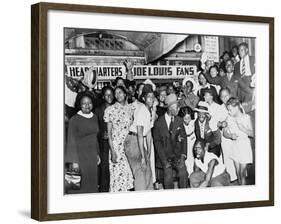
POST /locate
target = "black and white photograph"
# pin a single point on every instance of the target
(148, 111)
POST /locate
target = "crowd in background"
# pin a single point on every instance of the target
(196, 132)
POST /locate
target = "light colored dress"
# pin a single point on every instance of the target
(242, 150)
(121, 177)
(191, 138)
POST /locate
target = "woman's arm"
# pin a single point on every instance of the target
(140, 140)
(110, 141)
(148, 143)
(209, 174)
(246, 127)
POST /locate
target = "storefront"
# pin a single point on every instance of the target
(159, 57)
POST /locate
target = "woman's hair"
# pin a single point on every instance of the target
(105, 88)
(201, 142)
(118, 78)
(186, 110)
(192, 86)
(146, 90)
(235, 103)
(122, 89)
(201, 73)
(80, 97)
(213, 66)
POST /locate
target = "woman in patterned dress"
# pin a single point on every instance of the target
(119, 118)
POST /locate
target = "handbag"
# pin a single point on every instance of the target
(72, 178)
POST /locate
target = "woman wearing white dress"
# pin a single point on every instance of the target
(239, 129)
(188, 122)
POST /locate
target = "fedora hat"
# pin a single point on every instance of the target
(171, 99)
(202, 107)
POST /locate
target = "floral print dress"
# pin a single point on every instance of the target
(121, 177)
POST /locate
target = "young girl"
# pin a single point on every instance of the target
(239, 129)
(188, 122)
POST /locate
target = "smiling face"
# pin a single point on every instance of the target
(202, 80)
(162, 96)
(208, 97)
(139, 90)
(214, 72)
(202, 116)
(186, 119)
(233, 110)
(243, 51)
(199, 151)
(234, 51)
(120, 95)
(174, 109)
(170, 89)
(224, 96)
(229, 66)
(86, 105)
(149, 100)
(108, 96)
(188, 87)
(120, 82)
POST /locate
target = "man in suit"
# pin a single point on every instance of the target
(170, 142)
(230, 80)
(203, 132)
(245, 69)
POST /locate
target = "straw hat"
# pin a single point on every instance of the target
(202, 107)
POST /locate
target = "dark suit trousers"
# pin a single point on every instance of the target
(104, 166)
(182, 176)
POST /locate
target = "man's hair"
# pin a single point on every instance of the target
(244, 44)
(117, 79)
(230, 61)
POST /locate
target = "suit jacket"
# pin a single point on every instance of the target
(252, 66)
(244, 91)
(231, 84)
(169, 146)
(211, 137)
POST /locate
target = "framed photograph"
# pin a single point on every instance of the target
(139, 111)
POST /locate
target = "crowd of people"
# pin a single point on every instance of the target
(193, 133)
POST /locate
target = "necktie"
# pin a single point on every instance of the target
(243, 70)
(171, 125)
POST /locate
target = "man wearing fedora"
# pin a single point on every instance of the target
(203, 131)
(170, 142)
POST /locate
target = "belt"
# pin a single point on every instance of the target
(134, 134)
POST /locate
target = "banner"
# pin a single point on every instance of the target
(106, 73)
(211, 47)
